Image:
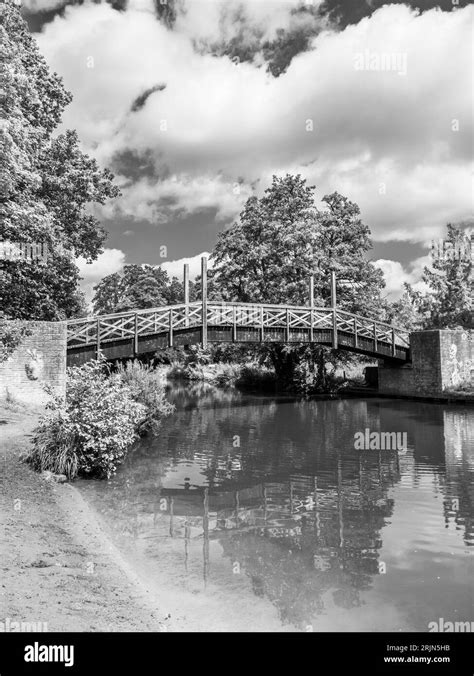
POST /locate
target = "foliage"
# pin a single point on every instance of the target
(136, 288)
(407, 311)
(146, 388)
(256, 377)
(11, 334)
(450, 279)
(280, 241)
(90, 432)
(47, 184)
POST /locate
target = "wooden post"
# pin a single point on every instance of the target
(135, 341)
(394, 350)
(287, 325)
(333, 290)
(204, 300)
(375, 337)
(186, 293)
(311, 291)
(261, 325)
(98, 338)
(356, 337)
(333, 305)
(234, 324)
(170, 334)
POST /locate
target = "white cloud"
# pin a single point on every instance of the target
(225, 122)
(110, 261)
(212, 21)
(182, 194)
(396, 275)
(175, 268)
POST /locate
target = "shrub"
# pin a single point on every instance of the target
(256, 377)
(11, 334)
(146, 387)
(90, 432)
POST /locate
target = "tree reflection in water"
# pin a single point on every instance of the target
(278, 485)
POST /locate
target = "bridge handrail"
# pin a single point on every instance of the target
(132, 313)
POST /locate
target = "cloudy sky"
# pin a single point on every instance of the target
(194, 104)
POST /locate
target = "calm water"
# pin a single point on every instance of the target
(257, 513)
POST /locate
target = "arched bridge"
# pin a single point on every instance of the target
(129, 334)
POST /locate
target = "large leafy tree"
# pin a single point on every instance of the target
(450, 279)
(138, 287)
(282, 239)
(46, 184)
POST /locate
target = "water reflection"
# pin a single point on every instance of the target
(268, 497)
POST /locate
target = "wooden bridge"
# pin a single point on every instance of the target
(129, 334)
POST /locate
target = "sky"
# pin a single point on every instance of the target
(195, 104)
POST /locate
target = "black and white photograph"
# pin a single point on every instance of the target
(237, 330)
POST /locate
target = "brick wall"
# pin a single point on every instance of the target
(40, 359)
(396, 380)
(440, 360)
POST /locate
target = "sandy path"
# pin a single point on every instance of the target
(57, 564)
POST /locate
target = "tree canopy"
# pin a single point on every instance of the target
(282, 239)
(47, 183)
(136, 288)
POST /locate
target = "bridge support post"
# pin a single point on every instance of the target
(170, 334)
(98, 338)
(333, 305)
(135, 337)
(394, 349)
(311, 304)
(204, 300)
(186, 293)
(234, 324)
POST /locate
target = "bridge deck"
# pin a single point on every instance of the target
(129, 334)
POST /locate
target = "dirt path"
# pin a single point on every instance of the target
(57, 565)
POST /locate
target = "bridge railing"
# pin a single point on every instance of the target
(267, 317)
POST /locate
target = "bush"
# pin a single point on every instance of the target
(146, 387)
(90, 432)
(256, 377)
(11, 334)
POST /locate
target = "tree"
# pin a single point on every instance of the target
(138, 287)
(407, 311)
(450, 279)
(282, 239)
(46, 183)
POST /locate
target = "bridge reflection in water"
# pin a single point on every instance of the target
(312, 525)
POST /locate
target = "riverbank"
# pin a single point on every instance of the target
(61, 568)
(58, 565)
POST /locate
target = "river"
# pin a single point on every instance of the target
(258, 513)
